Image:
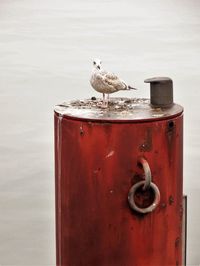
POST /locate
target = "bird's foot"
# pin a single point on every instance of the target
(102, 104)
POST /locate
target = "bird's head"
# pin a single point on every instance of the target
(97, 63)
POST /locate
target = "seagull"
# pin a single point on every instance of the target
(106, 82)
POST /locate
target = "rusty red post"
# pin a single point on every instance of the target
(98, 162)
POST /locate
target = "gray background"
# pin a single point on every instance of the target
(46, 48)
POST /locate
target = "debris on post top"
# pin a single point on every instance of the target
(118, 110)
(160, 106)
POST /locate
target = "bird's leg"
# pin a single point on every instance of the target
(108, 98)
(104, 105)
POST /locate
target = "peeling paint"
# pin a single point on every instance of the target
(111, 153)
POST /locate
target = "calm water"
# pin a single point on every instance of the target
(46, 49)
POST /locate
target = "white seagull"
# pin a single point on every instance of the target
(106, 82)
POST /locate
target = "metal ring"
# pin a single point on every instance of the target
(147, 173)
(132, 201)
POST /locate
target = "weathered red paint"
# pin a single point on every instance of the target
(96, 165)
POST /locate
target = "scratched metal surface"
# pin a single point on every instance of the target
(46, 48)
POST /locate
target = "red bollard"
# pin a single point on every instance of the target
(119, 174)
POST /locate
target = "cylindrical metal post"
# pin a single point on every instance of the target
(98, 162)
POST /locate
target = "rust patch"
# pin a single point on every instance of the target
(171, 200)
(147, 144)
(81, 130)
(163, 205)
(177, 242)
(171, 135)
(136, 178)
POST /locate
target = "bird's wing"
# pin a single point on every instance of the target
(109, 75)
(113, 80)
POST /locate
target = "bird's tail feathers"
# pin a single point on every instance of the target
(131, 88)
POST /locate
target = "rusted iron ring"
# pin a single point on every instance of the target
(132, 201)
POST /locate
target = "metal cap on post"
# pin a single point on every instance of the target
(161, 91)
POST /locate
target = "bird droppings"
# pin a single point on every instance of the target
(117, 109)
(121, 104)
(124, 104)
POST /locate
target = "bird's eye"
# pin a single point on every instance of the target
(94, 63)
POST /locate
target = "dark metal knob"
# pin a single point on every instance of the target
(161, 91)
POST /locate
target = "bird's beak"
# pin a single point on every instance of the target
(98, 67)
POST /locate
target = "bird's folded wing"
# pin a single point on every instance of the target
(114, 81)
(111, 80)
(107, 77)
(110, 76)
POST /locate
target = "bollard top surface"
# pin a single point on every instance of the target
(119, 110)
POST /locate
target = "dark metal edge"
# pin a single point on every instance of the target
(184, 232)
